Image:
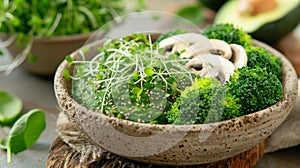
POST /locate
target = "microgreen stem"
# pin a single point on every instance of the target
(90, 15)
(8, 153)
(3, 147)
(7, 42)
(150, 44)
(20, 58)
(55, 24)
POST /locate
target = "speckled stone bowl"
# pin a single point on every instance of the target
(177, 144)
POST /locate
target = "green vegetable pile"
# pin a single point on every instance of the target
(25, 130)
(131, 78)
(46, 18)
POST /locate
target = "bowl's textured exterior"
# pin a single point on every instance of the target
(175, 144)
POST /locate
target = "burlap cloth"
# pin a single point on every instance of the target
(287, 135)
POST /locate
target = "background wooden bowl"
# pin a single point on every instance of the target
(177, 144)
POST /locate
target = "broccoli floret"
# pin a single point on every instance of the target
(256, 89)
(229, 33)
(174, 112)
(261, 58)
(205, 101)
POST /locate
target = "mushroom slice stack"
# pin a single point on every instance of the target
(212, 66)
(192, 43)
(208, 57)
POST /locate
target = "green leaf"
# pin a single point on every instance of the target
(101, 66)
(149, 71)
(69, 59)
(15, 21)
(99, 76)
(25, 132)
(32, 58)
(135, 75)
(169, 65)
(161, 51)
(136, 90)
(66, 74)
(10, 108)
(1, 53)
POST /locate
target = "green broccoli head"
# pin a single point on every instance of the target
(256, 89)
(229, 33)
(261, 58)
(205, 101)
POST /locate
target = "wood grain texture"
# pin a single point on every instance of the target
(62, 155)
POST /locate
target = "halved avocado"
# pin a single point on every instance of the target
(269, 26)
(213, 4)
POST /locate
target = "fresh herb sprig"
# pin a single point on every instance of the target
(130, 78)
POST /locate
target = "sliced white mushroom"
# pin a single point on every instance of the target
(179, 47)
(220, 48)
(192, 43)
(186, 38)
(213, 66)
(196, 49)
(239, 56)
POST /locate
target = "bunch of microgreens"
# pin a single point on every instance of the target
(31, 19)
(130, 78)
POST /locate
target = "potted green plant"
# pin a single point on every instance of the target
(42, 33)
(180, 98)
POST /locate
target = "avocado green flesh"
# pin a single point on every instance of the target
(229, 13)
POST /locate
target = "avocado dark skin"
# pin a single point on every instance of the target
(290, 21)
(213, 4)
